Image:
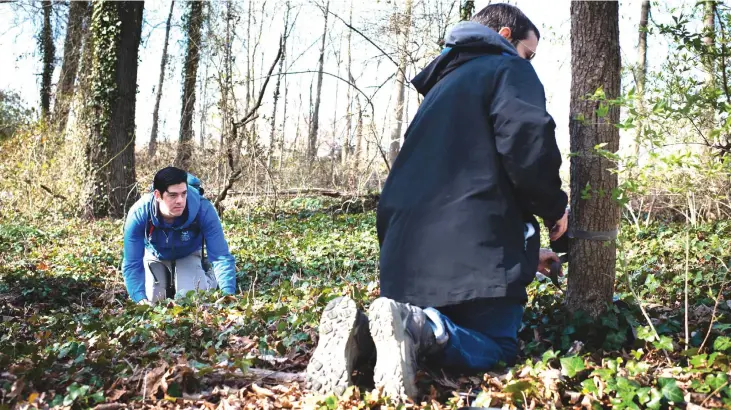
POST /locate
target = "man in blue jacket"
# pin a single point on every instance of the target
(164, 237)
(456, 219)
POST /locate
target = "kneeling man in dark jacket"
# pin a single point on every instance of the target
(456, 219)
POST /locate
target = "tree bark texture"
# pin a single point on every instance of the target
(152, 147)
(190, 72)
(315, 121)
(466, 8)
(595, 64)
(641, 67)
(72, 49)
(117, 29)
(273, 133)
(709, 39)
(404, 27)
(345, 150)
(48, 51)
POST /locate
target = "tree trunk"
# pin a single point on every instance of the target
(190, 73)
(204, 110)
(344, 151)
(72, 46)
(48, 50)
(641, 68)
(315, 122)
(273, 133)
(708, 60)
(83, 91)
(334, 141)
(161, 80)
(117, 27)
(709, 39)
(225, 86)
(595, 64)
(248, 57)
(284, 111)
(358, 138)
(400, 85)
(466, 8)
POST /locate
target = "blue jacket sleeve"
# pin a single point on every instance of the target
(134, 251)
(526, 140)
(224, 266)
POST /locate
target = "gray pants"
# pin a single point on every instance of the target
(189, 275)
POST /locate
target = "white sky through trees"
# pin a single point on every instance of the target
(20, 66)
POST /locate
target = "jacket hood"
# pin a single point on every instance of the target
(469, 34)
(465, 41)
(192, 206)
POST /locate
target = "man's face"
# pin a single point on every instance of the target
(172, 201)
(528, 46)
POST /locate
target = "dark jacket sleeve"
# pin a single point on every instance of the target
(526, 141)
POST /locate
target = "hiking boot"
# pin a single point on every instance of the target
(402, 334)
(344, 342)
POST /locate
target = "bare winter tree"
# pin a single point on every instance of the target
(348, 97)
(594, 217)
(404, 27)
(48, 51)
(72, 48)
(152, 147)
(190, 72)
(315, 119)
(283, 46)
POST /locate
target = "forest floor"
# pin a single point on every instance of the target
(69, 336)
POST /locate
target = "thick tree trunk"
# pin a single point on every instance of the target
(315, 122)
(400, 85)
(72, 47)
(641, 67)
(48, 51)
(112, 182)
(190, 73)
(595, 64)
(152, 147)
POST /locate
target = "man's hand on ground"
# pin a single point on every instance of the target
(559, 228)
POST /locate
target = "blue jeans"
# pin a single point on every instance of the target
(481, 334)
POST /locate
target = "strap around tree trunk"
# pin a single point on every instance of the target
(593, 235)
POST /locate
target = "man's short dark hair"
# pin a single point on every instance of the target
(499, 15)
(168, 176)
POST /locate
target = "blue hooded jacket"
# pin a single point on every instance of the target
(146, 229)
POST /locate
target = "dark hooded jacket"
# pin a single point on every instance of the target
(479, 160)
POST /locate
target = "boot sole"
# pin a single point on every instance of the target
(331, 365)
(395, 370)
